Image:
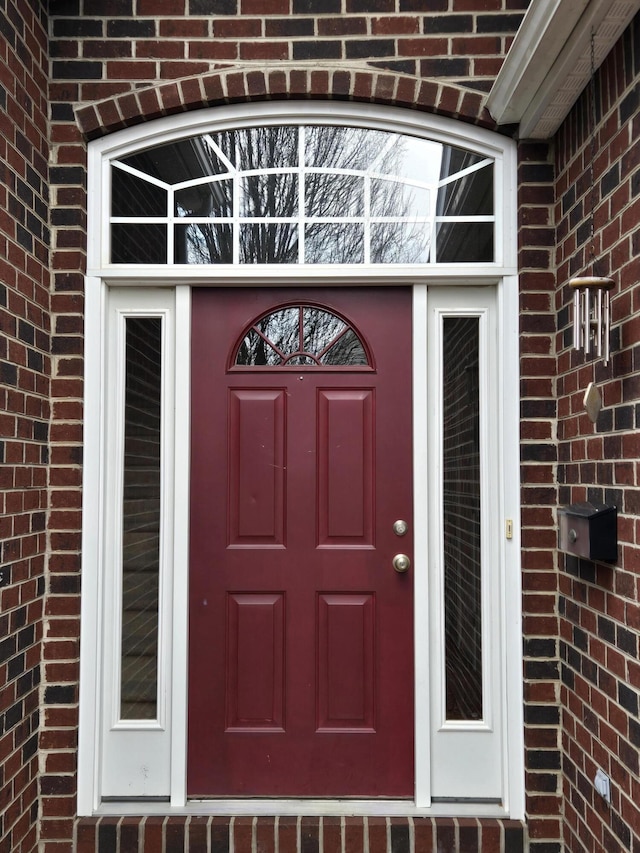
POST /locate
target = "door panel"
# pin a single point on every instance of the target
(301, 632)
(256, 467)
(346, 657)
(345, 467)
(255, 661)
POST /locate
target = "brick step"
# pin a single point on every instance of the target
(299, 835)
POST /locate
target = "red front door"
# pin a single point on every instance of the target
(301, 631)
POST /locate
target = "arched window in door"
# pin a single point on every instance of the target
(301, 336)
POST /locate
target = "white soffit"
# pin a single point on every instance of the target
(549, 62)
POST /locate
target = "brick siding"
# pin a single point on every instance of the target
(24, 410)
(119, 62)
(599, 610)
(543, 784)
(291, 834)
(111, 70)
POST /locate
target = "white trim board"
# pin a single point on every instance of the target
(549, 62)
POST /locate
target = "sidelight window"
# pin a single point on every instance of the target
(461, 491)
(141, 510)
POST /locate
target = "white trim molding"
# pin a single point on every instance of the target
(549, 62)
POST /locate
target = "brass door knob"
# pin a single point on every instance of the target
(401, 563)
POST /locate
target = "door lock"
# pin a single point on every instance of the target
(400, 527)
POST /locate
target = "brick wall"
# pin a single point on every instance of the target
(118, 62)
(599, 607)
(536, 238)
(24, 408)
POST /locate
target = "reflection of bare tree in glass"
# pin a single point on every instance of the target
(327, 195)
(313, 195)
(339, 195)
(300, 335)
(204, 243)
(261, 195)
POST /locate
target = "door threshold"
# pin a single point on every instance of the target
(278, 807)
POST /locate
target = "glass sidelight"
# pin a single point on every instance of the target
(461, 518)
(141, 519)
(137, 576)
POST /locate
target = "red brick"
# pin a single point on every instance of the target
(153, 834)
(242, 833)
(423, 829)
(377, 834)
(265, 835)
(287, 829)
(264, 7)
(332, 836)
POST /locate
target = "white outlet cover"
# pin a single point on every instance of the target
(602, 785)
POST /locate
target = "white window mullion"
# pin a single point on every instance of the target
(302, 217)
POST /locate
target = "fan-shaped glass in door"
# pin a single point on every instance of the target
(301, 336)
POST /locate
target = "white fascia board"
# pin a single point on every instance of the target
(571, 71)
(549, 62)
(539, 41)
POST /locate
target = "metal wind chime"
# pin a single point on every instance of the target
(591, 294)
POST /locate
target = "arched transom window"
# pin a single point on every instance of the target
(302, 195)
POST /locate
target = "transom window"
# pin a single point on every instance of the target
(302, 195)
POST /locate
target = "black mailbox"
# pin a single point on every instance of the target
(590, 531)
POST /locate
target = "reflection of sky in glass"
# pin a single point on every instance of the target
(352, 148)
(400, 243)
(411, 158)
(391, 198)
(367, 195)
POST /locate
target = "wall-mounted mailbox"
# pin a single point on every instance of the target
(590, 531)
